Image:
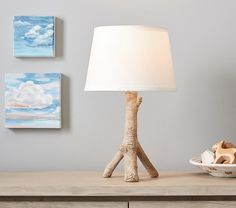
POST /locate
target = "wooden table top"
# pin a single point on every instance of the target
(73, 183)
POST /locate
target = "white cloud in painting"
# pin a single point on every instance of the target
(33, 32)
(19, 23)
(56, 111)
(40, 36)
(51, 85)
(28, 95)
(44, 39)
(49, 26)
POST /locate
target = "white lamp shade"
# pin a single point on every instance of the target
(130, 58)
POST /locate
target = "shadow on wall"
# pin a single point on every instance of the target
(59, 37)
(65, 101)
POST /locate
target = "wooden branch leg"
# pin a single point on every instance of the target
(131, 149)
(146, 162)
(132, 103)
(112, 165)
(130, 163)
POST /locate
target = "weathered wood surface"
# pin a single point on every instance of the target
(63, 204)
(93, 184)
(180, 204)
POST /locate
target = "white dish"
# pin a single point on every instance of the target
(218, 170)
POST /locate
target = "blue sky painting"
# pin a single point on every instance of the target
(33, 100)
(34, 36)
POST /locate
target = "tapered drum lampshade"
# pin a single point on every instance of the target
(130, 58)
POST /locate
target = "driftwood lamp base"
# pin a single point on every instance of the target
(130, 149)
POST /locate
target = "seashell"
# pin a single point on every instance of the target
(207, 157)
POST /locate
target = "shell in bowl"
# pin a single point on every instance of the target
(218, 170)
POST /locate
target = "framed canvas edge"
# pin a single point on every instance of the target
(60, 99)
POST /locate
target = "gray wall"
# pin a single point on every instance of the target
(173, 126)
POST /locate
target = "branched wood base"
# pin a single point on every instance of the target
(130, 148)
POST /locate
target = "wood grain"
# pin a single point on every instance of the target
(63, 204)
(93, 184)
(179, 204)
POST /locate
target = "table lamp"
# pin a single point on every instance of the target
(130, 59)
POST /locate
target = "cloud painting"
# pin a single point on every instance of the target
(34, 36)
(33, 100)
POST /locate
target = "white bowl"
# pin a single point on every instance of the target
(218, 170)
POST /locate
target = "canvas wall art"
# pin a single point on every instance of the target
(33, 100)
(34, 36)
